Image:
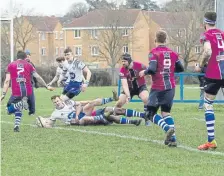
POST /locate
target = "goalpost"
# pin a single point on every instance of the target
(9, 19)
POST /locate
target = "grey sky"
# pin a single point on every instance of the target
(49, 7)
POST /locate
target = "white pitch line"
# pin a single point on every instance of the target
(127, 137)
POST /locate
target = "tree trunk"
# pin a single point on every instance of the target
(113, 75)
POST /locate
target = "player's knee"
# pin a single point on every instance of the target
(119, 111)
(208, 104)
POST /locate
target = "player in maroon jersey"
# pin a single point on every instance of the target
(132, 83)
(213, 42)
(19, 73)
(163, 63)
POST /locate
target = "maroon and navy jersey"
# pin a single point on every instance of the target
(215, 68)
(21, 74)
(162, 65)
(132, 75)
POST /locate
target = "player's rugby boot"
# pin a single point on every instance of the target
(16, 129)
(115, 96)
(208, 145)
(137, 122)
(169, 134)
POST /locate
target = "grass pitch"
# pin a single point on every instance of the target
(121, 150)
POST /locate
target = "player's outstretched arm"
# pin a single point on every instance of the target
(41, 81)
(88, 74)
(56, 77)
(6, 86)
(124, 84)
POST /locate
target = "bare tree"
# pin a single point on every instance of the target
(77, 10)
(23, 27)
(185, 28)
(111, 42)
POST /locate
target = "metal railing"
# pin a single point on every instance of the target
(182, 89)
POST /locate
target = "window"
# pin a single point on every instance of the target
(43, 51)
(197, 49)
(56, 35)
(94, 50)
(61, 35)
(94, 33)
(125, 49)
(125, 32)
(77, 34)
(43, 36)
(178, 49)
(56, 51)
(61, 51)
(78, 50)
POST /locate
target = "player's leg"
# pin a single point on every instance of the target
(166, 106)
(123, 120)
(151, 114)
(121, 101)
(144, 96)
(126, 112)
(31, 103)
(15, 106)
(200, 106)
(211, 89)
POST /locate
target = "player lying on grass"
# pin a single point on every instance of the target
(83, 113)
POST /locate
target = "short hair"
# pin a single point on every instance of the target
(161, 36)
(21, 55)
(59, 59)
(54, 97)
(211, 16)
(68, 50)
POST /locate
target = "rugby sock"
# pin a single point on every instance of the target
(19, 105)
(133, 113)
(106, 100)
(18, 116)
(210, 120)
(169, 120)
(124, 120)
(100, 117)
(158, 120)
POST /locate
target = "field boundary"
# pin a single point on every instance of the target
(188, 148)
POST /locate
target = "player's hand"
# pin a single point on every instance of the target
(142, 73)
(84, 86)
(50, 88)
(128, 99)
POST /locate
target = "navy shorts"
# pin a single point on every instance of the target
(163, 99)
(134, 92)
(72, 89)
(212, 86)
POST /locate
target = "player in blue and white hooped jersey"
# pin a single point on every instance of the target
(74, 69)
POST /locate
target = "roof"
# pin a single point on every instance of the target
(168, 19)
(104, 18)
(43, 23)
